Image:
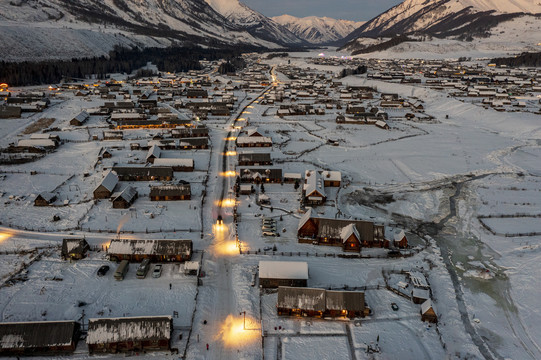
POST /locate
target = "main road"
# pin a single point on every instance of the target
(217, 320)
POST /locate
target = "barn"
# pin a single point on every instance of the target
(38, 338)
(273, 274)
(155, 250)
(130, 334)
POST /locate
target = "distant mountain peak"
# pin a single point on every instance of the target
(317, 30)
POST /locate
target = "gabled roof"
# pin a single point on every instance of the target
(307, 215)
(109, 181)
(128, 194)
(426, 306)
(332, 175)
(314, 183)
(47, 196)
(74, 246)
(349, 230)
(154, 151)
(82, 117)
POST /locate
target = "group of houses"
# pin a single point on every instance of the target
(105, 335)
(351, 235)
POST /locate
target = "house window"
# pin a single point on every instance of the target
(352, 244)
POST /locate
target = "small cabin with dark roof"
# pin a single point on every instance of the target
(38, 338)
(45, 199)
(124, 199)
(74, 249)
(80, 119)
(107, 186)
(130, 334)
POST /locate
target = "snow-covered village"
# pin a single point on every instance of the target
(369, 201)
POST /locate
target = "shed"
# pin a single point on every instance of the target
(39, 337)
(273, 274)
(191, 267)
(114, 335)
(45, 199)
(74, 248)
(428, 313)
(246, 189)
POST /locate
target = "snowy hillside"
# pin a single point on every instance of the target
(254, 22)
(445, 17)
(318, 30)
(520, 34)
(40, 28)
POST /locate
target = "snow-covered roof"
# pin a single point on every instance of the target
(314, 183)
(301, 298)
(150, 247)
(109, 181)
(36, 143)
(111, 330)
(253, 139)
(332, 175)
(426, 306)
(344, 300)
(292, 176)
(127, 194)
(173, 162)
(399, 235)
(349, 230)
(154, 151)
(191, 265)
(307, 215)
(418, 279)
(283, 270)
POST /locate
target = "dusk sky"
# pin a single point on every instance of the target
(359, 10)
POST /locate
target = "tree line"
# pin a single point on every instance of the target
(525, 59)
(120, 60)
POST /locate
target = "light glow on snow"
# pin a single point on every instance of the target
(234, 334)
(231, 138)
(225, 203)
(4, 236)
(231, 153)
(230, 173)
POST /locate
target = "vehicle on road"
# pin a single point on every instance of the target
(143, 268)
(103, 270)
(394, 306)
(157, 272)
(121, 270)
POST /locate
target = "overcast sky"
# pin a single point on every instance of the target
(359, 10)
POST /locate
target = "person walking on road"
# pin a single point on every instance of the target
(207, 347)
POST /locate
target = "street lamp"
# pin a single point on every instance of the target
(244, 324)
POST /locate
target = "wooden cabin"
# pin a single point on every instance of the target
(107, 186)
(254, 159)
(45, 199)
(144, 173)
(74, 249)
(124, 199)
(428, 313)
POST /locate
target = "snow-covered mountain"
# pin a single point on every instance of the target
(445, 18)
(32, 29)
(318, 30)
(255, 23)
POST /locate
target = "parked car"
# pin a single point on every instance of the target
(268, 221)
(394, 306)
(157, 272)
(103, 270)
(268, 228)
(143, 268)
(267, 248)
(270, 233)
